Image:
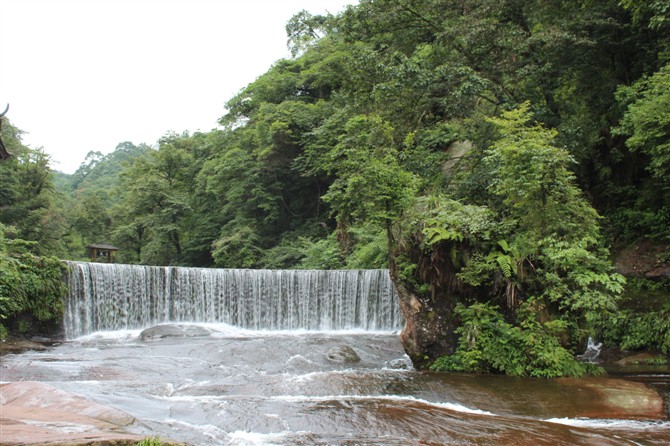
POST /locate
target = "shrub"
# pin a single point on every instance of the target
(636, 330)
(150, 441)
(489, 344)
(31, 287)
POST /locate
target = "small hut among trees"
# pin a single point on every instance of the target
(102, 253)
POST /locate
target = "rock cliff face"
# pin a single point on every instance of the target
(430, 322)
(644, 259)
(429, 328)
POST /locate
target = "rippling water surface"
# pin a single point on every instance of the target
(211, 384)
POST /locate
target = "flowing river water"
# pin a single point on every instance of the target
(234, 357)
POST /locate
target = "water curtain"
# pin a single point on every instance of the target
(106, 297)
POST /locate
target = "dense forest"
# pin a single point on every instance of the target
(497, 156)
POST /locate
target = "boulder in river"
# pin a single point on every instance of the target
(344, 354)
(174, 331)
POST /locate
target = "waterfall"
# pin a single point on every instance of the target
(592, 351)
(106, 297)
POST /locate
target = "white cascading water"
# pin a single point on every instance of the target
(106, 297)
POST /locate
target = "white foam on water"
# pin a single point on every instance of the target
(171, 388)
(190, 398)
(314, 375)
(244, 438)
(395, 398)
(209, 430)
(455, 407)
(299, 359)
(597, 423)
(355, 373)
(223, 330)
(236, 438)
(112, 335)
(403, 364)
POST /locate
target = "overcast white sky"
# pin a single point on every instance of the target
(84, 75)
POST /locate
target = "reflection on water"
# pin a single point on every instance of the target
(218, 385)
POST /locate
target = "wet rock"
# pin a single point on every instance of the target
(35, 413)
(659, 273)
(641, 259)
(399, 364)
(41, 339)
(15, 346)
(174, 331)
(615, 398)
(344, 354)
(640, 358)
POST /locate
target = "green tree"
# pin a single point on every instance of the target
(27, 197)
(155, 202)
(534, 181)
(532, 254)
(646, 121)
(646, 212)
(552, 231)
(370, 184)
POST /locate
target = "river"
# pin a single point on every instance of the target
(215, 383)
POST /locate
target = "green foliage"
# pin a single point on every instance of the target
(237, 247)
(321, 254)
(533, 179)
(657, 12)
(537, 238)
(370, 184)
(31, 287)
(370, 250)
(489, 344)
(155, 202)
(631, 329)
(628, 223)
(304, 30)
(647, 120)
(529, 243)
(89, 199)
(150, 441)
(578, 277)
(446, 220)
(658, 360)
(27, 196)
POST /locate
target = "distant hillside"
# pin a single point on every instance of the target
(98, 171)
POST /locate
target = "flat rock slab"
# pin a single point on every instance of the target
(616, 398)
(33, 413)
